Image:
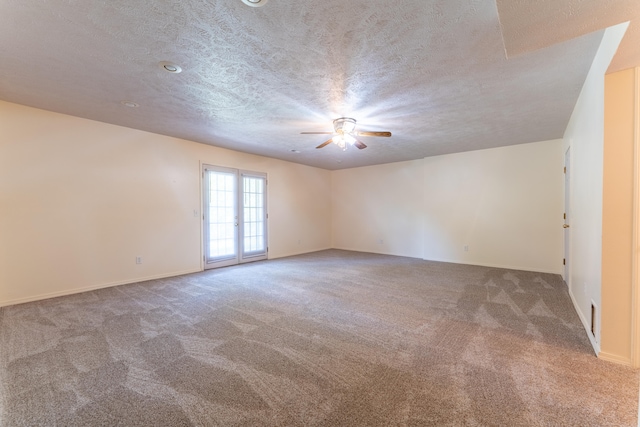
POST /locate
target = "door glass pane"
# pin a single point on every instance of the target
(222, 215)
(253, 221)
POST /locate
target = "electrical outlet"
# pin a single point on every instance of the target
(381, 241)
(138, 260)
(195, 213)
(466, 248)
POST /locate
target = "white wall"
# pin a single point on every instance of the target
(379, 209)
(585, 136)
(504, 204)
(80, 199)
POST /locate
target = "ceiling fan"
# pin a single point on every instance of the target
(345, 134)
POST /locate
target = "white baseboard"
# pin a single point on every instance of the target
(451, 261)
(124, 282)
(504, 266)
(369, 251)
(92, 288)
(286, 254)
(614, 358)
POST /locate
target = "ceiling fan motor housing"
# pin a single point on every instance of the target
(344, 125)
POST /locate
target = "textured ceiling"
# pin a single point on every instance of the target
(434, 73)
(529, 26)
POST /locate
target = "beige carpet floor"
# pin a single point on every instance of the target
(332, 338)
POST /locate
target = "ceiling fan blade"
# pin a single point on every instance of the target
(360, 144)
(365, 133)
(316, 133)
(329, 141)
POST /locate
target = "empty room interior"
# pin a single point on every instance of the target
(254, 212)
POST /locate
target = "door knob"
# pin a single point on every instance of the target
(565, 225)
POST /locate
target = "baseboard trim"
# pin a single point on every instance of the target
(310, 251)
(377, 252)
(504, 266)
(449, 261)
(93, 288)
(614, 358)
(126, 282)
(586, 325)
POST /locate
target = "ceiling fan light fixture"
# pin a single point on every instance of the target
(340, 141)
(344, 125)
(344, 134)
(255, 3)
(348, 138)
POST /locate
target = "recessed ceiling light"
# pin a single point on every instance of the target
(170, 67)
(130, 104)
(255, 3)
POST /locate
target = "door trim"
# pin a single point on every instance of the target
(256, 216)
(260, 254)
(566, 234)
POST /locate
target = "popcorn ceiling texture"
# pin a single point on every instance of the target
(434, 73)
(529, 26)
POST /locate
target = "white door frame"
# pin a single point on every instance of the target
(566, 271)
(247, 218)
(256, 219)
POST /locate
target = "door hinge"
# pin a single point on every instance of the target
(564, 261)
(267, 248)
(565, 170)
(564, 215)
(267, 216)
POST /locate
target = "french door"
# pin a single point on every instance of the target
(235, 216)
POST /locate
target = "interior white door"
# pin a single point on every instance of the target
(235, 216)
(567, 216)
